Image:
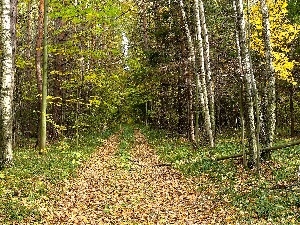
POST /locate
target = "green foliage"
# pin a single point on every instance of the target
(126, 143)
(28, 183)
(293, 10)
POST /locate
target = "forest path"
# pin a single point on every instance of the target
(145, 192)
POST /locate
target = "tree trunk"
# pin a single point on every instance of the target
(39, 43)
(201, 84)
(245, 56)
(209, 81)
(38, 64)
(292, 113)
(192, 62)
(43, 121)
(270, 71)
(6, 97)
(241, 91)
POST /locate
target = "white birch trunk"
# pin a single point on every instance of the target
(270, 71)
(210, 88)
(238, 47)
(6, 98)
(192, 61)
(245, 56)
(201, 81)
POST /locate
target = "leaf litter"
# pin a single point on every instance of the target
(105, 192)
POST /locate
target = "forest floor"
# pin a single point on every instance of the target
(131, 175)
(141, 190)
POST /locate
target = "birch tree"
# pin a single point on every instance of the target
(246, 67)
(192, 60)
(270, 75)
(240, 66)
(6, 97)
(211, 96)
(204, 62)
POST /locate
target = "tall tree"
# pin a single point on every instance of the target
(209, 81)
(241, 97)
(246, 66)
(270, 76)
(43, 120)
(39, 48)
(192, 62)
(38, 64)
(7, 88)
(206, 97)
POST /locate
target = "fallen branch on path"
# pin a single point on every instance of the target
(263, 150)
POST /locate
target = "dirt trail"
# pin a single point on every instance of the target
(105, 192)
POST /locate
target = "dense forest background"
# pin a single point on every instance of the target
(200, 71)
(116, 61)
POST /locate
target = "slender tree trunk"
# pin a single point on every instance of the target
(192, 62)
(201, 84)
(270, 71)
(245, 56)
(210, 86)
(43, 121)
(241, 91)
(254, 86)
(39, 43)
(292, 113)
(38, 64)
(6, 97)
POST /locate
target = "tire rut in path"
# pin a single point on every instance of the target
(105, 192)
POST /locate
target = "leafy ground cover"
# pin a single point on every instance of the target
(144, 190)
(26, 185)
(273, 197)
(143, 176)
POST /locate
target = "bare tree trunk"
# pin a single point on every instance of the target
(241, 88)
(292, 113)
(39, 43)
(245, 56)
(270, 71)
(7, 89)
(192, 62)
(254, 87)
(201, 84)
(43, 121)
(209, 81)
(38, 64)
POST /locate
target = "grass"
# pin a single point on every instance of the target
(126, 142)
(26, 184)
(271, 198)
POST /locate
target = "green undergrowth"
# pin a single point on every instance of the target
(273, 197)
(25, 184)
(126, 140)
